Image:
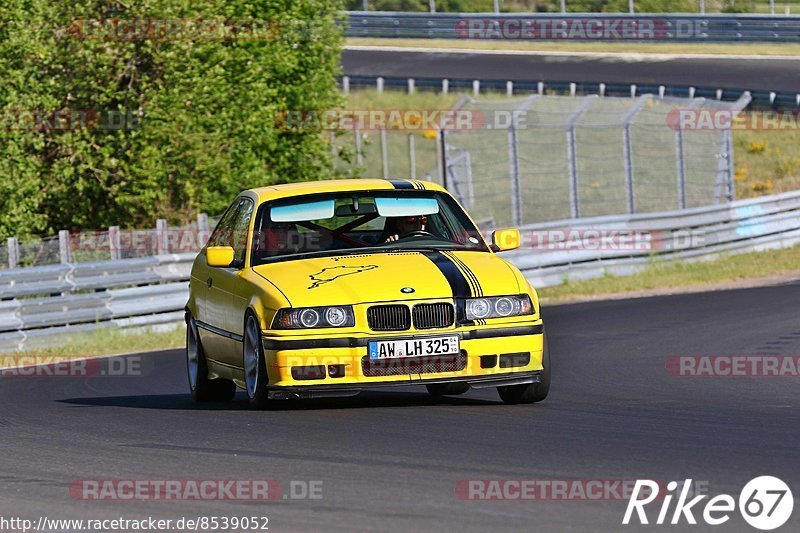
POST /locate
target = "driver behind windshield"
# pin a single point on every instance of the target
(398, 227)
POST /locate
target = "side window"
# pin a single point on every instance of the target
(223, 231)
(241, 225)
(232, 228)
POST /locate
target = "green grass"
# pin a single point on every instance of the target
(766, 49)
(767, 162)
(668, 275)
(397, 141)
(106, 341)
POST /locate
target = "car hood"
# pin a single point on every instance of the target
(381, 277)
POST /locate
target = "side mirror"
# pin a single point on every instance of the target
(219, 256)
(505, 239)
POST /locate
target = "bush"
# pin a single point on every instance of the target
(202, 111)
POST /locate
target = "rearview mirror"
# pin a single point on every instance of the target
(505, 239)
(219, 256)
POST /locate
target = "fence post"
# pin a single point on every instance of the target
(379, 84)
(346, 84)
(572, 158)
(13, 252)
(412, 156)
(359, 153)
(432, 5)
(63, 246)
(476, 87)
(731, 193)
(161, 237)
(113, 243)
(203, 231)
(410, 85)
(384, 154)
(628, 150)
(513, 172)
(441, 156)
(510, 88)
(445, 86)
(680, 164)
(680, 156)
(497, 6)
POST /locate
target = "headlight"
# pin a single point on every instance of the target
(498, 307)
(339, 316)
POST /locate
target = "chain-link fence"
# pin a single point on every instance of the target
(528, 159)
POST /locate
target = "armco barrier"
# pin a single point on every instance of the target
(43, 305)
(689, 28)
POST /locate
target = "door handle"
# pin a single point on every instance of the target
(209, 282)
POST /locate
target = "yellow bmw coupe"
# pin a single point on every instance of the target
(327, 288)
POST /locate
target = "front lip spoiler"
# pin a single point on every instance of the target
(344, 390)
(272, 343)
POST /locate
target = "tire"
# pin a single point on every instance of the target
(531, 392)
(202, 388)
(447, 389)
(254, 364)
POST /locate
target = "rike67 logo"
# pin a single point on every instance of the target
(765, 503)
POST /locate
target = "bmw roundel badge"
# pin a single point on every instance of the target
(407, 290)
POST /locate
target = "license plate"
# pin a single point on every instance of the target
(421, 347)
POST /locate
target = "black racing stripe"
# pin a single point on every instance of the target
(458, 282)
(402, 184)
(473, 288)
(421, 186)
(476, 285)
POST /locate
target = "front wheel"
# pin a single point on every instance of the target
(531, 392)
(255, 367)
(202, 388)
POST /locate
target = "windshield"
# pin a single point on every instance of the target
(358, 222)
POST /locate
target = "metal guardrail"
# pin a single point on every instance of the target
(693, 234)
(40, 306)
(760, 99)
(690, 28)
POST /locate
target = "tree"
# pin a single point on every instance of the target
(109, 122)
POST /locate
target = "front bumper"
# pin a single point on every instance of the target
(490, 357)
(343, 389)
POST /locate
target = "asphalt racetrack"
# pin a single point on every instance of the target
(391, 460)
(775, 74)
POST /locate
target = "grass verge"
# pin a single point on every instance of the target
(611, 47)
(726, 272)
(107, 341)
